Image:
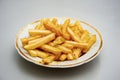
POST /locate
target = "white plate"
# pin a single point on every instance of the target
(91, 54)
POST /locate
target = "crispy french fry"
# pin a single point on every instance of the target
(64, 49)
(50, 26)
(73, 36)
(54, 21)
(42, 54)
(90, 43)
(51, 49)
(84, 35)
(49, 59)
(63, 57)
(77, 44)
(67, 45)
(77, 23)
(64, 29)
(26, 40)
(39, 32)
(57, 41)
(38, 26)
(70, 56)
(41, 41)
(76, 53)
(33, 53)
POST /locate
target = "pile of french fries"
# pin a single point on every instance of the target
(52, 41)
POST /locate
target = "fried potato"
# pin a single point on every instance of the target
(39, 32)
(77, 44)
(51, 49)
(90, 43)
(55, 29)
(64, 29)
(73, 36)
(77, 53)
(49, 59)
(64, 49)
(32, 53)
(70, 56)
(63, 57)
(41, 41)
(26, 40)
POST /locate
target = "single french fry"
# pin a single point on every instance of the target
(76, 53)
(39, 32)
(38, 26)
(77, 44)
(49, 59)
(73, 36)
(63, 57)
(26, 40)
(42, 54)
(51, 49)
(50, 26)
(33, 53)
(70, 56)
(64, 29)
(64, 49)
(54, 21)
(90, 43)
(41, 41)
(70, 46)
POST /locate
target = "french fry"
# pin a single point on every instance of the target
(73, 36)
(32, 53)
(42, 54)
(50, 26)
(54, 21)
(90, 43)
(70, 56)
(84, 35)
(64, 29)
(77, 23)
(49, 59)
(26, 40)
(51, 49)
(64, 49)
(41, 41)
(38, 26)
(67, 45)
(77, 53)
(63, 57)
(77, 44)
(57, 41)
(39, 32)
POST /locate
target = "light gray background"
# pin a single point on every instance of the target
(103, 14)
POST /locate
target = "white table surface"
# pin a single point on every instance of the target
(103, 14)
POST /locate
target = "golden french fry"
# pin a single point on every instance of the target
(57, 41)
(77, 23)
(64, 29)
(67, 45)
(51, 49)
(73, 36)
(76, 53)
(38, 26)
(64, 49)
(50, 26)
(90, 43)
(39, 32)
(54, 21)
(49, 59)
(77, 44)
(42, 54)
(63, 57)
(84, 35)
(70, 56)
(26, 40)
(32, 53)
(41, 41)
